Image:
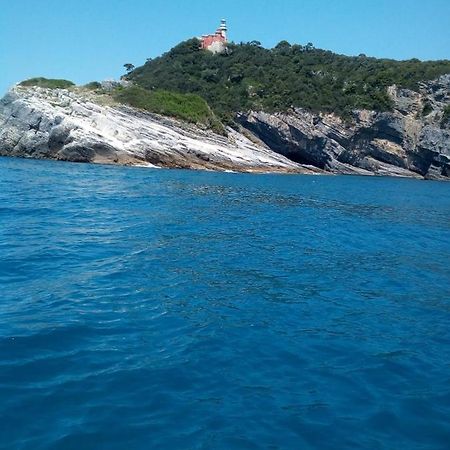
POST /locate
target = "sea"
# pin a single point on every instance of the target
(171, 309)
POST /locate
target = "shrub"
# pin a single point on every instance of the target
(93, 86)
(47, 83)
(187, 107)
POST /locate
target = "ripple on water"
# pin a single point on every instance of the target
(176, 309)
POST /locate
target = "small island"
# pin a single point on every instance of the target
(213, 104)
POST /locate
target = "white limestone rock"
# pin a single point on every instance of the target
(65, 125)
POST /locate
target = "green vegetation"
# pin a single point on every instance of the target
(93, 86)
(188, 107)
(252, 77)
(446, 117)
(196, 86)
(47, 83)
(129, 67)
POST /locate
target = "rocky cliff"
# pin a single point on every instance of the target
(412, 140)
(73, 125)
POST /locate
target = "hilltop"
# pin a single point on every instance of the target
(250, 77)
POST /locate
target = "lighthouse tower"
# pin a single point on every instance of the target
(217, 42)
(223, 29)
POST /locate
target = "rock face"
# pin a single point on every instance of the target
(64, 125)
(410, 141)
(406, 142)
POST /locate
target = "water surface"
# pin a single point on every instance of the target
(166, 309)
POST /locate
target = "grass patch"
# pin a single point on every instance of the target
(47, 83)
(187, 107)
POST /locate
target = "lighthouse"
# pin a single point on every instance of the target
(223, 29)
(217, 42)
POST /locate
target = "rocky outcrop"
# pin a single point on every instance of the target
(409, 141)
(75, 126)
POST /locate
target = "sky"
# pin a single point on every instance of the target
(86, 40)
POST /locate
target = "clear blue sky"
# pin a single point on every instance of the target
(85, 40)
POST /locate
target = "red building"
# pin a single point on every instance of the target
(217, 42)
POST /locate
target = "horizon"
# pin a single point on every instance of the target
(97, 41)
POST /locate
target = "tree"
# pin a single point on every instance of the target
(129, 67)
(283, 48)
(252, 77)
(282, 45)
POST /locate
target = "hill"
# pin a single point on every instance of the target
(291, 109)
(252, 77)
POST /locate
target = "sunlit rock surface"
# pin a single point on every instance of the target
(64, 125)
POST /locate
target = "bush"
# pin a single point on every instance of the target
(187, 107)
(93, 86)
(47, 83)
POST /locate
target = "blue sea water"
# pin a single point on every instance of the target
(165, 309)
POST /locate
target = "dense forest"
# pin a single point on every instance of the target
(249, 76)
